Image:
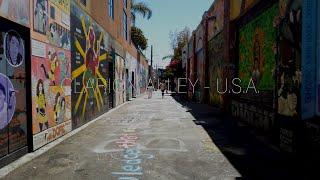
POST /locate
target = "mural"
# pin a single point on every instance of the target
(51, 92)
(290, 31)
(13, 118)
(216, 59)
(52, 23)
(256, 51)
(90, 68)
(16, 10)
(120, 81)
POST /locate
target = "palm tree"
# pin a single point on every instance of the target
(140, 8)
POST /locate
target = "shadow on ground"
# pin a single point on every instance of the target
(253, 158)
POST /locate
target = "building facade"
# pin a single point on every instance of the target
(63, 63)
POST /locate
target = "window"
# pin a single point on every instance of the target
(111, 9)
(125, 25)
(84, 2)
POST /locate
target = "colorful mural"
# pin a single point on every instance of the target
(120, 81)
(13, 117)
(51, 91)
(216, 60)
(90, 70)
(256, 51)
(290, 31)
(16, 10)
(52, 23)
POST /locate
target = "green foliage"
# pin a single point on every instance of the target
(263, 23)
(138, 38)
(140, 8)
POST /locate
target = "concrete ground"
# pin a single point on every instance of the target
(144, 139)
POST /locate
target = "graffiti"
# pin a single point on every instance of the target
(258, 117)
(16, 10)
(131, 167)
(256, 50)
(216, 68)
(290, 28)
(90, 68)
(51, 134)
(13, 48)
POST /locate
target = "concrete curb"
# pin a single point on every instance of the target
(30, 156)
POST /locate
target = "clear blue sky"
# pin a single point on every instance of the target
(169, 15)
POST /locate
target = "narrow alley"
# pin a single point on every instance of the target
(157, 139)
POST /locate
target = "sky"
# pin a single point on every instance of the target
(169, 16)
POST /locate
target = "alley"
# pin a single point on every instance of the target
(145, 139)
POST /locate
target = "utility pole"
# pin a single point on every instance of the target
(151, 56)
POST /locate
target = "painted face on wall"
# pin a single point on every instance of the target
(14, 49)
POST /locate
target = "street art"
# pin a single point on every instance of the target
(51, 92)
(51, 23)
(62, 4)
(216, 59)
(40, 16)
(13, 48)
(256, 50)
(255, 116)
(120, 80)
(90, 69)
(13, 118)
(290, 31)
(16, 10)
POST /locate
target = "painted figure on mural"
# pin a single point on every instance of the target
(290, 26)
(41, 106)
(14, 48)
(59, 108)
(92, 63)
(40, 20)
(54, 36)
(54, 63)
(7, 101)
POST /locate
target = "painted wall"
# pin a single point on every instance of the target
(216, 62)
(289, 79)
(13, 111)
(90, 67)
(16, 10)
(50, 72)
(257, 40)
(120, 80)
(216, 25)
